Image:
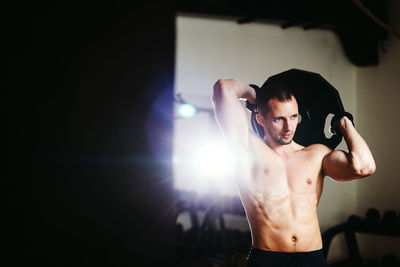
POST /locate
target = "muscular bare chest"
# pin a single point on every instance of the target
(298, 174)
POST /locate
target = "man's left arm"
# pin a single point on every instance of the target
(357, 163)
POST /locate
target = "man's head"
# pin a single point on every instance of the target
(278, 113)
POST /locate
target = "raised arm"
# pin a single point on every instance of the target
(230, 114)
(357, 163)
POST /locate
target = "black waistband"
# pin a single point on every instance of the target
(254, 252)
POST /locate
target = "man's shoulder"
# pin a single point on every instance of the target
(318, 149)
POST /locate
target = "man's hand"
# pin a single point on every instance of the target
(336, 125)
(251, 103)
(253, 94)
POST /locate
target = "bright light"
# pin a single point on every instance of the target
(186, 110)
(214, 161)
(206, 168)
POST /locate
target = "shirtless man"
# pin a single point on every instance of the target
(280, 182)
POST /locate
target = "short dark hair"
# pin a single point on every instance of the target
(272, 89)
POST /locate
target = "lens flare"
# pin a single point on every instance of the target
(214, 161)
(187, 111)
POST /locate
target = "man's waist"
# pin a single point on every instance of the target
(288, 240)
(279, 258)
(285, 254)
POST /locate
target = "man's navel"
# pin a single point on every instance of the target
(309, 181)
(294, 240)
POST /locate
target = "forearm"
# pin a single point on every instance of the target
(240, 89)
(359, 154)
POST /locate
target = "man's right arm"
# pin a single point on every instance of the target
(355, 164)
(230, 114)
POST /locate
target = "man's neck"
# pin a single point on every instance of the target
(283, 150)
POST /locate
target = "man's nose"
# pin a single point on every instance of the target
(286, 125)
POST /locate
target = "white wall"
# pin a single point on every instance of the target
(378, 95)
(378, 106)
(210, 48)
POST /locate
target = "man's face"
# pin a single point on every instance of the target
(281, 121)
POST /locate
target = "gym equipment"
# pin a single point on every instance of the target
(389, 219)
(371, 224)
(354, 221)
(372, 218)
(316, 98)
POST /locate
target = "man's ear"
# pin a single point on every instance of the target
(260, 119)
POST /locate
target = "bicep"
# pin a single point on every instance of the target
(337, 165)
(231, 116)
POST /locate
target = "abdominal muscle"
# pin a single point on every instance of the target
(280, 198)
(287, 223)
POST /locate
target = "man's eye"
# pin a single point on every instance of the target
(294, 116)
(277, 119)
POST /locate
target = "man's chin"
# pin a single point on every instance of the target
(285, 141)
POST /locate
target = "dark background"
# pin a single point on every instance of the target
(87, 97)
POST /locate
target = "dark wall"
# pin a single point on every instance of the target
(88, 134)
